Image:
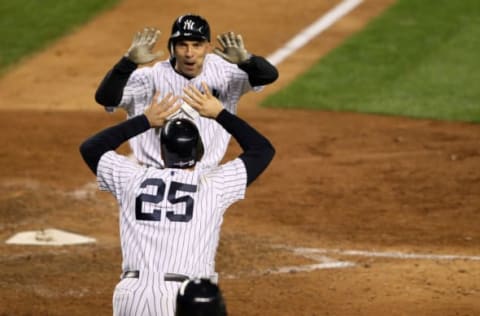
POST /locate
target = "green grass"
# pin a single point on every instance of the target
(27, 26)
(421, 58)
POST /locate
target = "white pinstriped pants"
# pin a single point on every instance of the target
(149, 295)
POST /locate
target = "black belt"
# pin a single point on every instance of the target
(169, 277)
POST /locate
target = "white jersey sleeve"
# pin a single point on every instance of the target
(138, 92)
(114, 172)
(227, 79)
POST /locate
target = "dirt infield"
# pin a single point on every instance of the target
(358, 214)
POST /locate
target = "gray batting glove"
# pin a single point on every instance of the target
(140, 52)
(232, 49)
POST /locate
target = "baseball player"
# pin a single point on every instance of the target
(230, 71)
(170, 217)
(200, 297)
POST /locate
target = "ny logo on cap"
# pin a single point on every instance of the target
(189, 25)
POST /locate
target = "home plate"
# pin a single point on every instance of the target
(49, 237)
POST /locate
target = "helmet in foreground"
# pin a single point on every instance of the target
(200, 297)
(181, 144)
(189, 26)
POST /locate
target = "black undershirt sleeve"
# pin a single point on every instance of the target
(257, 153)
(260, 71)
(111, 138)
(110, 90)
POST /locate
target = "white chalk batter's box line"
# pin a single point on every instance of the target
(324, 262)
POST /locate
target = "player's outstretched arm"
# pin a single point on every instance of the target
(110, 91)
(112, 137)
(257, 153)
(260, 71)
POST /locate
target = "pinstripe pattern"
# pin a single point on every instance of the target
(227, 79)
(147, 295)
(166, 245)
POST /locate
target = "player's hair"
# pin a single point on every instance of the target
(200, 297)
(181, 144)
(189, 26)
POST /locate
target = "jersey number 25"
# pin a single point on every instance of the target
(171, 197)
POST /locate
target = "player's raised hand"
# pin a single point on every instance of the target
(203, 102)
(158, 111)
(140, 52)
(232, 48)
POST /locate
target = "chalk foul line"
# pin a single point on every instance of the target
(320, 25)
(324, 262)
(386, 254)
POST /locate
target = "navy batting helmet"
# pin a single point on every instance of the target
(200, 297)
(181, 144)
(189, 26)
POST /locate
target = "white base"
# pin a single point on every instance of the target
(49, 237)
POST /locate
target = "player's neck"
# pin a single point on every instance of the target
(173, 63)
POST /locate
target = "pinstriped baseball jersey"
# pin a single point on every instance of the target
(170, 218)
(226, 80)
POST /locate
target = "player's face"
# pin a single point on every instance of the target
(189, 55)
